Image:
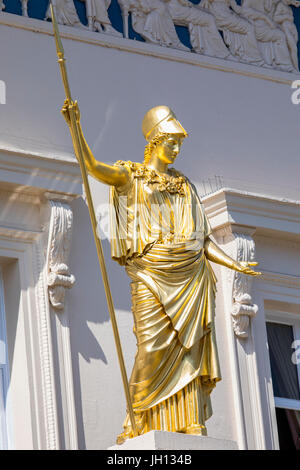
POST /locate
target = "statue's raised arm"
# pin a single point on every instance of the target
(109, 174)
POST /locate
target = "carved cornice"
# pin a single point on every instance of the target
(269, 215)
(278, 242)
(38, 172)
(19, 194)
(19, 234)
(281, 279)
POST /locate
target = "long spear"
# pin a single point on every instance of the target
(80, 157)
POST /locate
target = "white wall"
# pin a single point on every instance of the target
(241, 126)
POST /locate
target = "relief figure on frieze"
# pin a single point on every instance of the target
(204, 35)
(283, 16)
(152, 20)
(65, 13)
(98, 19)
(271, 38)
(238, 32)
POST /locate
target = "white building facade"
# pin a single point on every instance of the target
(60, 385)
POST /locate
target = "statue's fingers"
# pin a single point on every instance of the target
(77, 110)
(255, 273)
(251, 272)
(253, 263)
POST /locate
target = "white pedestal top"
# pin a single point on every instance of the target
(161, 440)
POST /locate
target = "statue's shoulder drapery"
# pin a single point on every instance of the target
(154, 208)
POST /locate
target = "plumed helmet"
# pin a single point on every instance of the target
(161, 119)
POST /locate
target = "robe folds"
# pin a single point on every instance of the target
(158, 229)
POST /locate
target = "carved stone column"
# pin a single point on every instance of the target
(58, 279)
(237, 241)
(243, 308)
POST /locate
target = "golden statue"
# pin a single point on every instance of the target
(160, 233)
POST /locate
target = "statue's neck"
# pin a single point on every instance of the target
(157, 164)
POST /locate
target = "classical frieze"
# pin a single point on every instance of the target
(256, 32)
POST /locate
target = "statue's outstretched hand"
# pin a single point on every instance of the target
(65, 111)
(245, 268)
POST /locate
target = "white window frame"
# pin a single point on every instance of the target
(289, 319)
(5, 432)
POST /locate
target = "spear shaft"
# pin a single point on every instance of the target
(80, 157)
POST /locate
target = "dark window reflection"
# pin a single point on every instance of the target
(284, 371)
(288, 423)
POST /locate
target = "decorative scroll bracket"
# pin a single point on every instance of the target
(59, 243)
(243, 308)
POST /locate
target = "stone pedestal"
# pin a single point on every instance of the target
(161, 440)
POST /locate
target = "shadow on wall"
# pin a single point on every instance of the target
(87, 299)
(87, 302)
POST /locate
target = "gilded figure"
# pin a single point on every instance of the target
(161, 234)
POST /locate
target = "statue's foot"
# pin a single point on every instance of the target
(80, 25)
(108, 29)
(98, 27)
(124, 436)
(181, 47)
(286, 68)
(197, 429)
(233, 58)
(267, 66)
(120, 439)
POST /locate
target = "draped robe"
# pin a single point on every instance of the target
(158, 228)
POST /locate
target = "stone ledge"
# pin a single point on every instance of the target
(161, 440)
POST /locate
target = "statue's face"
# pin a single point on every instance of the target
(168, 150)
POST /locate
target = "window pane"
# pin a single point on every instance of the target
(4, 372)
(288, 424)
(284, 371)
(3, 440)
